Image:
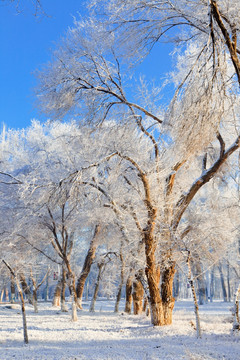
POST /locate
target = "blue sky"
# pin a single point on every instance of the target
(26, 43)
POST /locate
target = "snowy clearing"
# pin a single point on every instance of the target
(105, 335)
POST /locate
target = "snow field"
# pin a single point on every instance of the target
(105, 335)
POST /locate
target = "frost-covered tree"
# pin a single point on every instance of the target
(89, 74)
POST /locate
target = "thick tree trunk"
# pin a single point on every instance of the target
(137, 295)
(87, 266)
(96, 288)
(167, 293)
(128, 303)
(152, 274)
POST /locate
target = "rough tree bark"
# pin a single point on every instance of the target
(137, 294)
(167, 293)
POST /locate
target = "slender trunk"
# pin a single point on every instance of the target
(236, 323)
(96, 288)
(128, 303)
(176, 286)
(34, 295)
(1, 296)
(35, 303)
(212, 285)
(222, 282)
(13, 294)
(86, 291)
(228, 282)
(6, 294)
(63, 290)
(87, 266)
(119, 292)
(25, 334)
(46, 293)
(57, 294)
(72, 288)
(137, 295)
(196, 309)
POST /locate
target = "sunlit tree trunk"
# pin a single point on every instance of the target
(167, 293)
(137, 295)
(87, 266)
(152, 275)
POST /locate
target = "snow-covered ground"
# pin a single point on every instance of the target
(105, 335)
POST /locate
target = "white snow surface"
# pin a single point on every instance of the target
(105, 335)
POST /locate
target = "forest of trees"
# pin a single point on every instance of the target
(131, 189)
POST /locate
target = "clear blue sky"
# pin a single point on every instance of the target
(26, 43)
